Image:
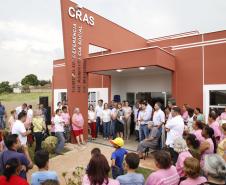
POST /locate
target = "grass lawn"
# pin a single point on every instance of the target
(23, 97)
(11, 101)
(146, 172)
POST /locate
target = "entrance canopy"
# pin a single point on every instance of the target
(150, 56)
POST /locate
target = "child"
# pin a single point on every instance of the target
(41, 159)
(117, 157)
(94, 151)
(181, 148)
(192, 171)
(132, 163)
(166, 173)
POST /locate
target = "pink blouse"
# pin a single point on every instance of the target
(198, 134)
(216, 127)
(77, 121)
(110, 181)
(180, 162)
(190, 181)
(210, 150)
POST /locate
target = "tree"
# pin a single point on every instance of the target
(44, 82)
(5, 87)
(30, 79)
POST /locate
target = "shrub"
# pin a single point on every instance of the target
(75, 178)
(49, 144)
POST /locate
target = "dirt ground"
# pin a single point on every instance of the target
(80, 157)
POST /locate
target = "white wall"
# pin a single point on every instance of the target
(143, 83)
(57, 96)
(102, 93)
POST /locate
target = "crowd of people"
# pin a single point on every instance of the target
(186, 148)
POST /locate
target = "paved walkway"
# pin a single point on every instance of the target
(80, 157)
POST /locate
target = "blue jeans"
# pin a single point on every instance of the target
(106, 126)
(143, 132)
(60, 142)
(113, 134)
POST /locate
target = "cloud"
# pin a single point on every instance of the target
(31, 33)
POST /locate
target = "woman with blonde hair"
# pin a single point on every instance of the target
(77, 126)
(38, 129)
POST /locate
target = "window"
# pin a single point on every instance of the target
(218, 98)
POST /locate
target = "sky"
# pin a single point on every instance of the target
(31, 30)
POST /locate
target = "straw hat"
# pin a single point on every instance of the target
(180, 145)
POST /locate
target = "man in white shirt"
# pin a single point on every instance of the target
(159, 120)
(20, 108)
(143, 118)
(174, 129)
(59, 131)
(99, 110)
(19, 128)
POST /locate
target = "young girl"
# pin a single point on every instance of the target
(106, 121)
(120, 121)
(11, 173)
(92, 121)
(181, 148)
(209, 145)
(192, 171)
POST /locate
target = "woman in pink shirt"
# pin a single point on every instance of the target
(197, 131)
(192, 171)
(97, 172)
(223, 116)
(209, 145)
(180, 146)
(214, 125)
(12, 119)
(166, 173)
(185, 113)
(77, 126)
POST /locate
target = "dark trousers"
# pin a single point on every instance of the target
(38, 139)
(99, 127)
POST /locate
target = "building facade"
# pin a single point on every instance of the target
(104, 60)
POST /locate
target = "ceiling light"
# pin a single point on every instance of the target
(142, 68)
(119, 70)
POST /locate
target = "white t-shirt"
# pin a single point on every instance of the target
(114, 114)
(99, 111)
(106, 115)
(176, 126)
(145, 116)
(58, 122)
(30, 113)
(149, 109)
(18, 110)
(127, 110)
(158, 117)
(19, 128)
(91, 115)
